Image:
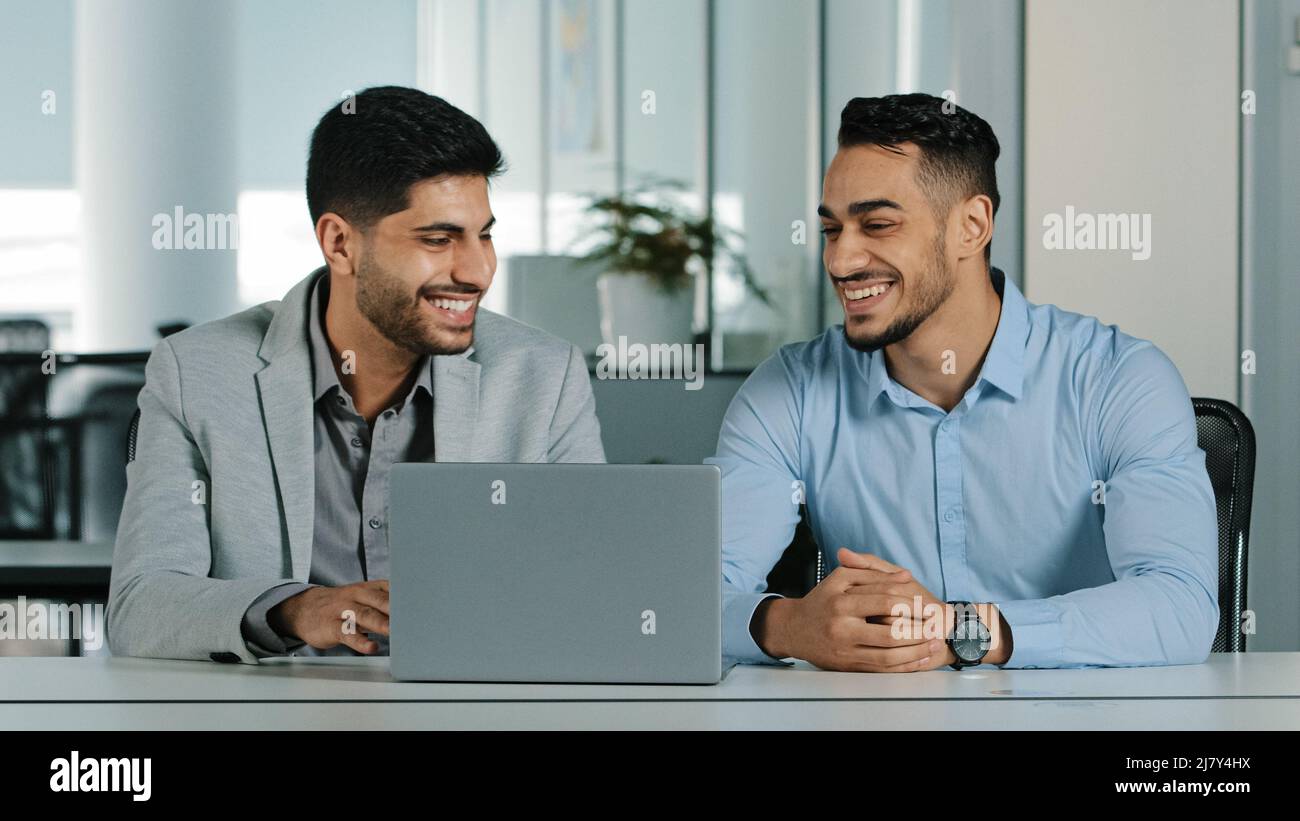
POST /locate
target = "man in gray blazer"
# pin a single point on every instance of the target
(255, 520)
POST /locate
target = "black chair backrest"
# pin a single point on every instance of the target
(1226, 436)
(29, 449)
(132, 430)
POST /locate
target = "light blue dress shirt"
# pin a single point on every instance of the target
(1066, 487)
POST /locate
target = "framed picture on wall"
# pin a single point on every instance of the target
(582, 76)
(582, 109)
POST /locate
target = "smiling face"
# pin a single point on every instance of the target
(885, 252)
(423, 270)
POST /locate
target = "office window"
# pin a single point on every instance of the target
(277, 246)
(733, 102)
(40, 272)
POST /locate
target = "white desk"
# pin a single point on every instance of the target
(1231, 691)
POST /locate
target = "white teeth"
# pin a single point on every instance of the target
(457, 305)
(863, 293)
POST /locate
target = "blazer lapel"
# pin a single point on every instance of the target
(285, 387)
(455, 407)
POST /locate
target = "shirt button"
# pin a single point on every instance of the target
(340, 400)
(949, 516)
(356, 442)
(375, 523)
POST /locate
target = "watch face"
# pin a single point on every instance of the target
(971, 640)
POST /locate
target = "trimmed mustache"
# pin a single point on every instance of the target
(429, 291)
(865, 275)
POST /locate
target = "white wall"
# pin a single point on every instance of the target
(136, 65)
(1131, 107)
(1136, 106)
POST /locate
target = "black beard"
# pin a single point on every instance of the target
(385, 302)
(930, 298)
(897, 332)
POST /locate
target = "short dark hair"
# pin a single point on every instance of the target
(367, 152)
(959, 150)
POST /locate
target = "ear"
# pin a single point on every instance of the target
(339, 243)
(975, 226)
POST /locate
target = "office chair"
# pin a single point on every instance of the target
(1226, 436)
(1228, 439)
(132, 430)
(800, 568)
(30, 469)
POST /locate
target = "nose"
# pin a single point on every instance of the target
(846, 257)
(475, 264)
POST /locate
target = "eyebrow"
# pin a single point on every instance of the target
(861, 207)
(449, 227)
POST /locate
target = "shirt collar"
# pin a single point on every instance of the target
(878, 380)
(324, 377)
(1004, 364)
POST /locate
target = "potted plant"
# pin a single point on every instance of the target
(653, 252)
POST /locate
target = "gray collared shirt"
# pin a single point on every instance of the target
(350, 534)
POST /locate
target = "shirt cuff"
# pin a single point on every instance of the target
(261, 639)
(1035, 633)
(738, 645)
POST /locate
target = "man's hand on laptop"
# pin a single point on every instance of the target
(830, 626)
(326, 617)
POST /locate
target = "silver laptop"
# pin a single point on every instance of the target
(555, 573)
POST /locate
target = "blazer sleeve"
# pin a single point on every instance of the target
(161, 602)
(575, 430)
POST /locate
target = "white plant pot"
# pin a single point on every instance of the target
(635, 307)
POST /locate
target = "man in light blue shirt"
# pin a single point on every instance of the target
(966, 445)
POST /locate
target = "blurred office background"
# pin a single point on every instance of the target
(115, 111)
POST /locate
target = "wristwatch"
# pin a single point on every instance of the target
(970, 639)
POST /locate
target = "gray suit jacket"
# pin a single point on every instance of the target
(220, 499)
